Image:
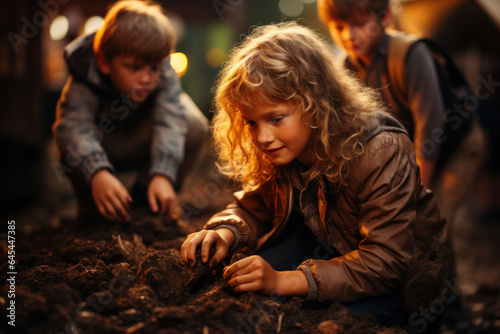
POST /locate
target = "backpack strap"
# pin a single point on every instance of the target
(453, 86)
(399, 45)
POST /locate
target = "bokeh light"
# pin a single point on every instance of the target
(215, 57)
(179, 62)
(59, 28)
(92, 24)
(291, 8)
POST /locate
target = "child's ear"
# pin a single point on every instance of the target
(386, 18)
(103, 63)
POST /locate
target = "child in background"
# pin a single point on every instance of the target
(332, 206)
(359, 27)
(122, 108)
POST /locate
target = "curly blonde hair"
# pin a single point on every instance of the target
(289, 63)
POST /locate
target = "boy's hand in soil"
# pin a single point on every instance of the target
(255, 274)
(162, 197)
(220, 239)
(110, 195)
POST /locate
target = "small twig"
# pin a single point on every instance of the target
(135, 328)
(120, 243)
(280, 320)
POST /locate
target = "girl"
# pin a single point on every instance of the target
(330, 184)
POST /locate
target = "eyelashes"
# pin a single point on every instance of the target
(274, 121)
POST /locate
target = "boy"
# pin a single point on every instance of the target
(359, 27)
(122, 108)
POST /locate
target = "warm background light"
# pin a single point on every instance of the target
(92, 24)
(59, 28)
(179, 62)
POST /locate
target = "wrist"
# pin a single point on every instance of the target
(292, 283)
(227, 235)
(159, 176)
(99, 173)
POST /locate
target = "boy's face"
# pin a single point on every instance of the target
(279, 131)
(359, 35)
(132, 77)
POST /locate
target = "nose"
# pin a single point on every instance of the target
(265, 136)
(350, 32)
(145, 76)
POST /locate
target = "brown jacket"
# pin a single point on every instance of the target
(385, 224)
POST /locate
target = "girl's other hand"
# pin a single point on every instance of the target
(220, 239)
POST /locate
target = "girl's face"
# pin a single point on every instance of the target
(279, 131)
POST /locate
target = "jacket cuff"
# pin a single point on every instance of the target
(237, 236)
(312, 294)
(92, 163)
(165, 165)
(236, 223)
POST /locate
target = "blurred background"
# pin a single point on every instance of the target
(32, 73)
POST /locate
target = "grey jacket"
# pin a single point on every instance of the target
(91, 110)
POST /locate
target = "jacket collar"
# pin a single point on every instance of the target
(383, 121)
(82, 63)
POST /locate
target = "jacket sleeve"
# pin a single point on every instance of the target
(248, 216)
(75, 130)
(425, 102)
(387, 213)
(170, 126)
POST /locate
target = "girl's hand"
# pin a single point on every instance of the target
(252, 274)
(255, 274)
(221, 239)
(110, 196)
(161, 191)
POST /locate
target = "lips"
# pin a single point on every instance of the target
(273, 151)
(352, 47)
(140, 92)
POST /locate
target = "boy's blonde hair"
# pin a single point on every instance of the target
(288, 63)
(332, 10)
(135, 28)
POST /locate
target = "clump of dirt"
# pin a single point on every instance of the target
(129, 278)
(169, 276)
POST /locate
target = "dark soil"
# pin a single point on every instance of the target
(129, 278)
